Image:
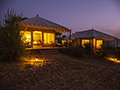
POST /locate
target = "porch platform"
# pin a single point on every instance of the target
(45, 48)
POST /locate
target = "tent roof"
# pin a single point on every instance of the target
(39, 22)
(92, 33)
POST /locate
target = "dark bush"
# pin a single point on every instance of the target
(11, 46)
(78, 51)
(117, 53)
(107, 51)
(88, 48)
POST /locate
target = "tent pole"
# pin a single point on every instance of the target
(42, 38)
(92, 47)
(32, 38)
(95, 43)
(116, 44)
(68, 40)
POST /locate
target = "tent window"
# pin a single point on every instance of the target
(99, 43)
(84, 41)
(26, 38)
(63, 42)
(49, 38)
(94, 42)
(37, 37)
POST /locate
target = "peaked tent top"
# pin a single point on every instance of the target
(39, 22)
(92, 33)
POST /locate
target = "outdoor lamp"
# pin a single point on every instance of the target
(36, 58)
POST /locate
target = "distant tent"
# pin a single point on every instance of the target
(92, 35)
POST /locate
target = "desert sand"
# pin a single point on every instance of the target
(61, 72)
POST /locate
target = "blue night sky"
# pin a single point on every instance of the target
(77, 15)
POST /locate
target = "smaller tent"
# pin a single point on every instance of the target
(97, 38)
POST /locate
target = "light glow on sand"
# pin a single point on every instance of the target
(34, 61)
(113, 59)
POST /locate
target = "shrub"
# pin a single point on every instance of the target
(107, 51)
(117, 53)
(78, 51)
(88, 48)
(11, 46)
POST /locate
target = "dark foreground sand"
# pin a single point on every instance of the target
(62, 73)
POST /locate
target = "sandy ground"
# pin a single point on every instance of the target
(61, 72)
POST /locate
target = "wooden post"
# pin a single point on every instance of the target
(42, 38)
(70, 34)
(95, 43)
(92, 46)
(80, 42)
(91, 42)
(32, 38)
(68, 40)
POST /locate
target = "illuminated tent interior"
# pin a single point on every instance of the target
(40, 32)
(97, 38)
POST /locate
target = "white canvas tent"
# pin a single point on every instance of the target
(41, 32)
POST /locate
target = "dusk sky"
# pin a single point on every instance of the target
(77, 15)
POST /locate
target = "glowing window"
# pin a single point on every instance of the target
(84, 41)
(26, 38)
(49, 38)
(37, 37)
(94, 42)
(99, 43)
(63, 42)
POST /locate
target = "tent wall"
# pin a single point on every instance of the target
(96, 43)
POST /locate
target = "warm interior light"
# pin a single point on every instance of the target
(37, 38)
(63, 42)
(35, 42)
(26, 37)
(99, 43)
(49, 38)
(94, 42)
(84, 41)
